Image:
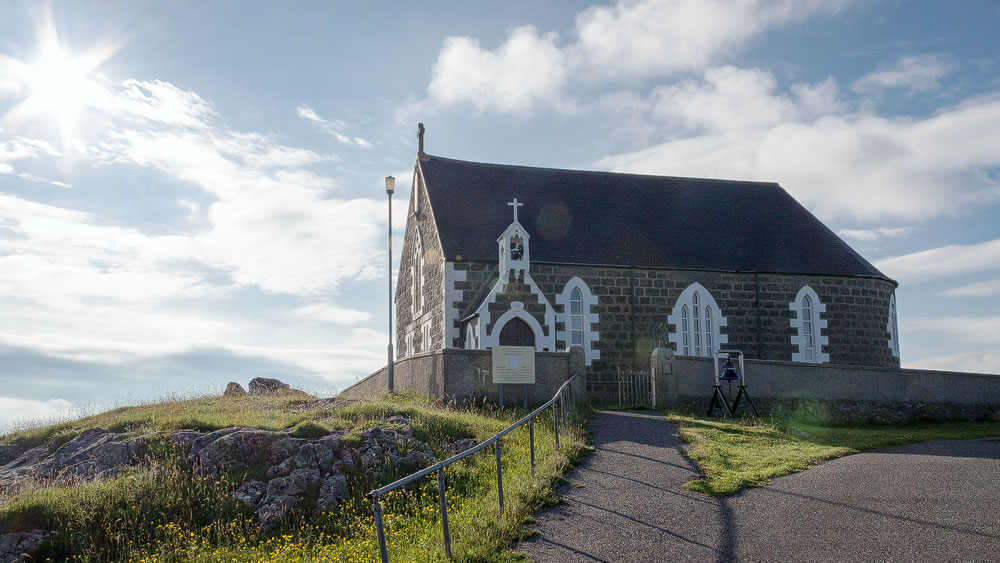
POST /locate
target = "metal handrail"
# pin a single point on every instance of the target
(495, 441)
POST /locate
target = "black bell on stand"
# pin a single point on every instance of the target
(729, 372)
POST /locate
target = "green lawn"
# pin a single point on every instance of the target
(164, 513)
(750, 452)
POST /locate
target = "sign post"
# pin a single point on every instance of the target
(513, 364)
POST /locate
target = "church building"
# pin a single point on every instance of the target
(619, 263)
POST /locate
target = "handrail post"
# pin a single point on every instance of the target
(382, 549)
(444, 514)
(555, 421)
(496, 446)
(531, 439)
(562, 408)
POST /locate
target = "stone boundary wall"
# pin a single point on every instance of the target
(466, 375)
(832, 393)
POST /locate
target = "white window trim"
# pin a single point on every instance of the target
(417, 269)
(705, 299)
(819, 325)
(409, 344)
(517, 311)
(893, 327)
(425, 337)
(588, 301)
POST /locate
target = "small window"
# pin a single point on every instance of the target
(417, 273)
(696, 325)
(808, 336)
(425, 344)
(576, 317)
(708, 330)
(893, 327)
(808, 322)
(409, 344)
(686, 349)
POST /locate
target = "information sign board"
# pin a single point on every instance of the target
(513, 364)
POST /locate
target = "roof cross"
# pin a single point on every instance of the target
(515, 205)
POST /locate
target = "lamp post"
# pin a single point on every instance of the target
(390, 186)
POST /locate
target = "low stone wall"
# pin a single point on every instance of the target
(465, 375)
(835, 393)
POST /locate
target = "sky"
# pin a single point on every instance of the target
(192, 193)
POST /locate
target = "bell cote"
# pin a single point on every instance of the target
(513, 246)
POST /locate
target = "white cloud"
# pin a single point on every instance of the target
(331, 127)
(855, 165)
(986, 361)
(869, 235)
(637, 39)
(916, 73)
(943, 261)
(527, 69)
(164, 103)
(976, 289)
(16, 413)
(331, 314)
(982, 330)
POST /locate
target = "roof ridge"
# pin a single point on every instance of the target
(425, 157)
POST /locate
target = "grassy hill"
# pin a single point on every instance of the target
(162, 511)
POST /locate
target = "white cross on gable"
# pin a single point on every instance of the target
(515, 205)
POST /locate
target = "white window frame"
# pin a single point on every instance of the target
(697, 339)
(800, 351)
(425, 337)
(893, 327)
(409, 344)
(417, 275)
(589, 319)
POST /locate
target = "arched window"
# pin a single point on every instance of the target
(696, 324)
(808, 341)
(696, 319)
(576, 317)
(685, 334)
(893, 327)
(417, 273)
(708, 329)
(808, 337)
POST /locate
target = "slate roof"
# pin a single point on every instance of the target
(603, 218)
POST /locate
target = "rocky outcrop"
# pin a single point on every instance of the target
(264, 386)
(9, 452)
(234, 389)
(94, 454)
(227, 448)
(18, 547)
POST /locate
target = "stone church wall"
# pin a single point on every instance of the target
(633, 302)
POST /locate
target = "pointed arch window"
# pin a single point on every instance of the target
(696, 319)
(893, 327)
(576, 311)
(417, 273)
(808, 341)
(576, 317)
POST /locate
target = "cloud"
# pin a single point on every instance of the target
(986, 361)
(838, 164)
(21, 148)
(916, 73)
(984, 330)
(633, 39)
(869, 235)
(331, 314)
(331, 127)
(16, 413)
(164, 103)
(976, 289)
(527, 69)
(943, 261)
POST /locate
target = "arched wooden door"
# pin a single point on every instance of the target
(516, 333)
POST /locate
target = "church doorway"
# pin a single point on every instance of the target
(517, 333)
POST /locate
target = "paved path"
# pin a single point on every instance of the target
(926, 502)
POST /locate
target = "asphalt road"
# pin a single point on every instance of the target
(937, 501)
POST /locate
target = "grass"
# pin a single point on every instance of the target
(749, 452)
(164, 513)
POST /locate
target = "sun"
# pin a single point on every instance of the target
(57, 85)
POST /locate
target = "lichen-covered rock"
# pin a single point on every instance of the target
(234, 389)
(381, 448)
(184, 439)
(18, 547)
(292, 485)
(273, 510)
(314, 456)
(284, 448)
(332, 491)
(265, 385)
(94, 454)
(10, 452)
(251, 492)
(227, 448)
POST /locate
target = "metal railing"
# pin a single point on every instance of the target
(557, 410)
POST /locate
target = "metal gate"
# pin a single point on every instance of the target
(635, 388)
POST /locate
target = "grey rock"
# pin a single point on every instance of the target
(18, 547)
(332, 491)
(273, 510)
(10, 452)
(310, 475)
(333, 441)
(292, 485)
(227, 449)
(283, 468)
(265, 385)
(416, 460)
(250, 492)
(234, 389)
(185, 439)
(284, 448)
(314, 456)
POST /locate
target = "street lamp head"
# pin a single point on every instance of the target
(390, 184)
